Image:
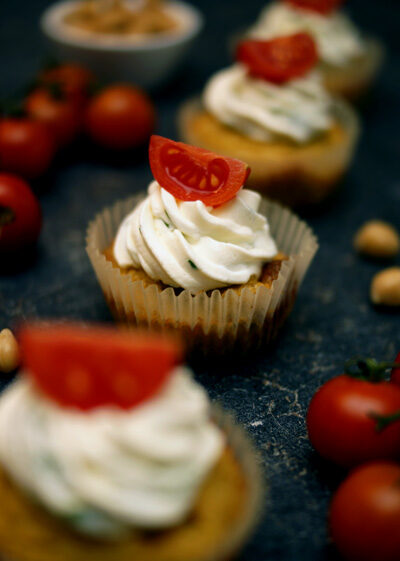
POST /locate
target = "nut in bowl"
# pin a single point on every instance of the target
(143, 42)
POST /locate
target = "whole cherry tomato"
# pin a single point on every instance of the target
(141, 363)
(395, 378)
(62, 116)
(279, 60)
(190, 173)
(365, 513)
(354, 419)
(73, 80)
(120, 117)
(323, 7)
(26, 147)
(20, 214)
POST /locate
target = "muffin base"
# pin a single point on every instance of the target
(353, 80)
(228, 507)
(297, 175)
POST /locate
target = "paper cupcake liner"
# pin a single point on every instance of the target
(217, 320)
(22, 543)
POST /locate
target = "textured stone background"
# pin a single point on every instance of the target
(332, 319)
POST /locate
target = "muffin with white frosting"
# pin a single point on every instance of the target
(200, 254)
(348, 60)
(272, 110)
(109, 450)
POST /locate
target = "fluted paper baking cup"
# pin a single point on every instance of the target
(29, 534)
(217, 320)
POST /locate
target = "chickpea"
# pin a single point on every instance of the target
(9, 351)
(377, 239)
(385, 287)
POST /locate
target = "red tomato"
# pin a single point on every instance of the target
(120, 117)
(323, 7)
(20, 214)
(74, 81)
(340, 421)
(97, 366)
(191, 173)
(365, 513)
(279, 60)
(61, 116)
(26, 147)
(395, 378)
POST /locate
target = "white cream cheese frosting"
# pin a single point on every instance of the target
(107, 470)
(297, 110)
(190, 245)
(338, 40)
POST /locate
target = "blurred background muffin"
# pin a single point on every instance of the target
(349, 59)
(271, 110)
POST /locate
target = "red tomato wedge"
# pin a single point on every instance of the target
(85, 368)
(190, 173)
(323, 7)
(279, 60)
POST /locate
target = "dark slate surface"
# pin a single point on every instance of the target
(332, 319)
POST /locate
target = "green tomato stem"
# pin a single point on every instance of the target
(384, 421)
(368, 369)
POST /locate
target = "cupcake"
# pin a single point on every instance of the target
(349, 61)
(271, 110)
(200, 254)
(109, 450)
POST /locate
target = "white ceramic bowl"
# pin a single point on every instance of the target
(146, 61)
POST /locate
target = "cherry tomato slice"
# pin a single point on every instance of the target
(341, 424)
(395, 377)
(279, 60)
(323, 7)
(85, 368)
(190, 173)
(365, 513)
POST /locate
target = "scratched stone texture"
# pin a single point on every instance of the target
(332, 320)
